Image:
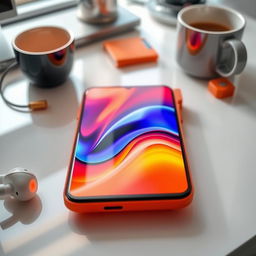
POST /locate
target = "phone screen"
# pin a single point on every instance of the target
(128, 145)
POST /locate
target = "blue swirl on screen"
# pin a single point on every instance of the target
(156, 118)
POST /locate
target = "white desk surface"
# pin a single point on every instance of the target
(221, 142)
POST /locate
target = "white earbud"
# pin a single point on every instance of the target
(19, 183)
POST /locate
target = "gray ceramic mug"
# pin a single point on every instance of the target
(45, 54)
(204, 52)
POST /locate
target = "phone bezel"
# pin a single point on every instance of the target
(135, 197)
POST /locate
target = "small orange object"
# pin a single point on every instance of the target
(221, 87)
(33, 185)
(38, 105)
(130, 51)
(178, 100)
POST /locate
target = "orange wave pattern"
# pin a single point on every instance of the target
(152, 163)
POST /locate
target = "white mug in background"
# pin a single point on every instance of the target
(209, 41)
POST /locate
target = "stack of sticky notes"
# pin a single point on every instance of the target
(130, 51)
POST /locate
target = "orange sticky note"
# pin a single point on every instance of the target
(130, 51)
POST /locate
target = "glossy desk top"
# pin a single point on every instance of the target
(220, 137)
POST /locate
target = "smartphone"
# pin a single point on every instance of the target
(128, 152)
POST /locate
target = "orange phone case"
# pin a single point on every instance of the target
(160, 204)
(130, 51)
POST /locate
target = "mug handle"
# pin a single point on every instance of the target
(240, 58)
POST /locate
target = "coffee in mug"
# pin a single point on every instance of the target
(210, 26)
(209, 41)
(45, 54)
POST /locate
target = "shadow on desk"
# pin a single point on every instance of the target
(41, 150)
(25, 212)
(246, 91)
(63, 104)
(132, 225)
(138, 67)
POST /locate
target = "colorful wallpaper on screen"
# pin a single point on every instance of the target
(128, 144)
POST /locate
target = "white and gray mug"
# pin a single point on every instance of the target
(205, 52)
